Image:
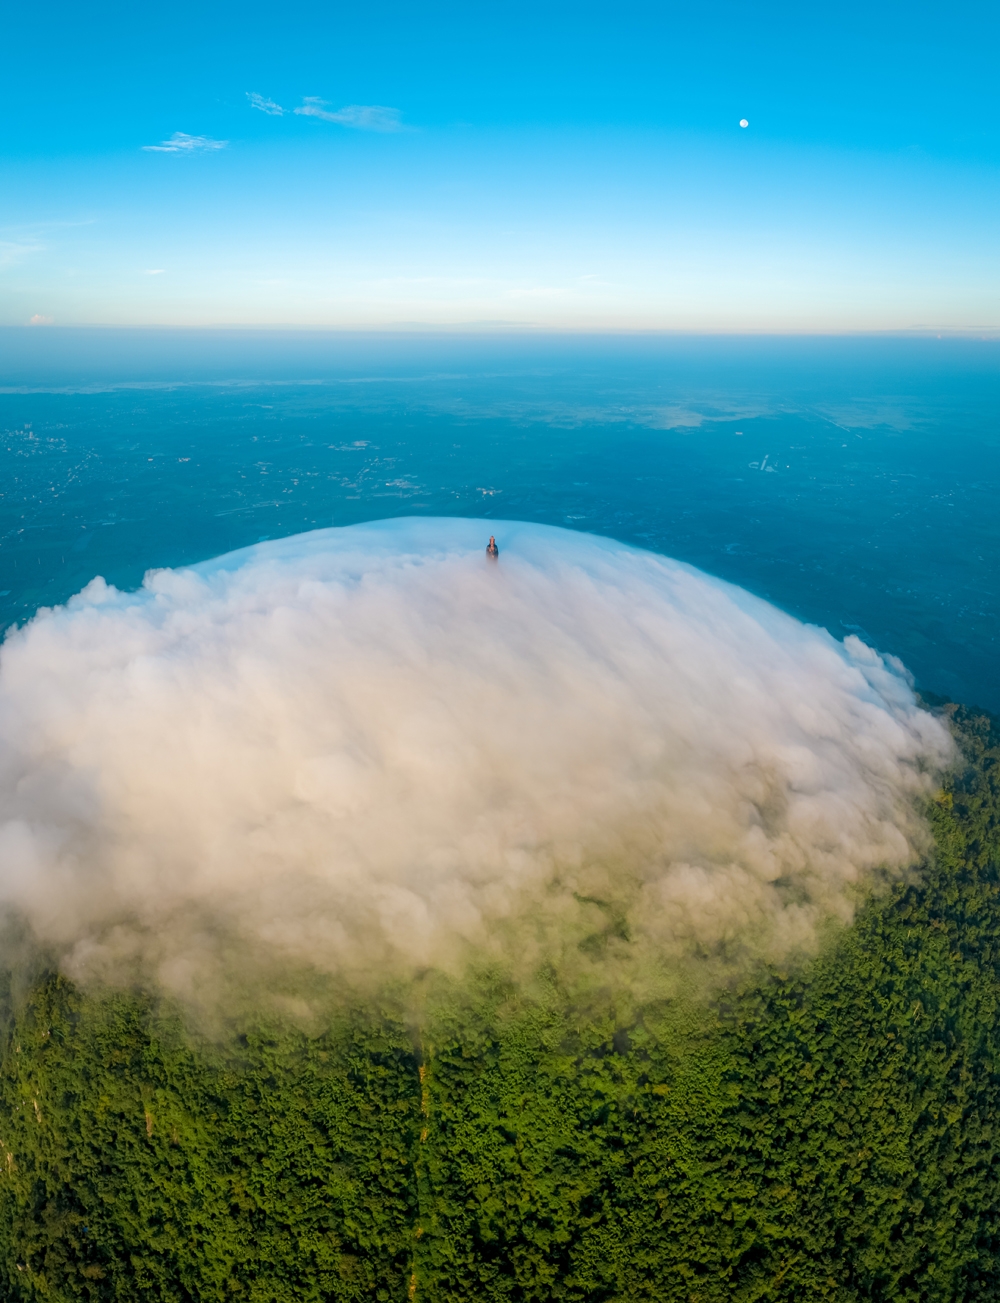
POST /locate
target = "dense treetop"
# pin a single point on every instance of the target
(828, 1132)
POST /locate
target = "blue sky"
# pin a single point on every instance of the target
(542, 165)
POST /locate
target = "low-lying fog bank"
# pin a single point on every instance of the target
(372, 750)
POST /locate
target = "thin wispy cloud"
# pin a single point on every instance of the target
(537, 292)
(14, 251)
(181, 143)
(363, 117)
(155, 271)
(258, 101)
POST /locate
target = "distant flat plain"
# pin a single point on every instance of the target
(854, 482)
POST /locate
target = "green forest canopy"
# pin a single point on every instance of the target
(832, 1133)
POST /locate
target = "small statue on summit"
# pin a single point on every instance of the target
(492, 551)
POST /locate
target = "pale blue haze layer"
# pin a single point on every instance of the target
(853, 482)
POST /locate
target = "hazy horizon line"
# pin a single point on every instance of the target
(990, 334)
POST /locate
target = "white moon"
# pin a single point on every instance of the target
(744, 123)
